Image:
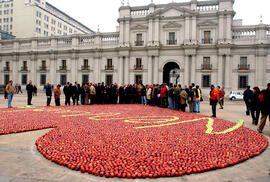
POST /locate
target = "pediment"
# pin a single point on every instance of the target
(207, 23)
(172, 24)
(173, 10)
(139, 27)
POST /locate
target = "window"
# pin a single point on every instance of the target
(46, 33)
(53, 21)
(85, 79)
(11, 19)
(24, 79)
(243, 64)
(139, 41)
(25, 65)
(64, 64)
(109, 79)
(11, 11)
(38, 30)
(109, 62)
(59, 25)
(243, 82)
(70, 30)
(10, 27)
(43, 64)
(207, 37)
(6, 79)
(65, 27)
(46, 26)
(206, 81)
(42, 79)
(138, 65)
(138, 79)
(53, 29)
(59, 32)
(38, 14)
(0, 20)
(63, 79)
(0, 12)
(46, 18)
(85, 62)
(206, 63)
(172, 40)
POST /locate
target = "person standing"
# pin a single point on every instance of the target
(48, 90)
(57, 94)
(183, 99)
(171, 97)
(176, 95)
(121, 95)
(82, 93)
(163, 95)
(68, 92)
(247, 99)
(143, 95)
(255, 106)
(10, 89)
(149, 95)
(191, 99)
(197, 100)
(92, 94)
(30, 91)
(221, 96)
(265, 107)
(214, 100)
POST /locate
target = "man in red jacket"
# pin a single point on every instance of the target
(163, 95)
(214, 96)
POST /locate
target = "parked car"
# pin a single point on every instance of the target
(236, 95)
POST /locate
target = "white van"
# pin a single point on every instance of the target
(236, 95)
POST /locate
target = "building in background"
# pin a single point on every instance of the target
(192, 42)
(37, 18)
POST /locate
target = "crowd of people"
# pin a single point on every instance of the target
(170, 96)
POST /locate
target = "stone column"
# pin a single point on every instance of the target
(229, 27)
(150, 33)
(96, 68)
(194, 28)
(127, 34)
(156, 68)
(186, 73)
(127, 67)
(121, 70)
(53, 67)
(193, 69)
(33, 70)
(187, 28)
(228, 72)
(150, 72)
(157, 30)
(15, 69)
(220, 71)
(221, 27)
(73, 68)
(260, 71)
(121, 37)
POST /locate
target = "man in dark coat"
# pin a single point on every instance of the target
(48, 90)
(247, 98)
(68, 93)
(30, 90)
(265, 107)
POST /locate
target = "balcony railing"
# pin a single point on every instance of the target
(24, 68)
(138, 67)
(171, 42)
(243, 67)
(6, 68)
(109, 68)
(207, 41)
(85, 68)
(139, 43)
(63, 68)
(206, 66)
(42, 68)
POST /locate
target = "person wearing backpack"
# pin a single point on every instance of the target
(191, 95)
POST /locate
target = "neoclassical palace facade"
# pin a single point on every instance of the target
(192, 42)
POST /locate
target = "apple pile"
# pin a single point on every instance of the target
(114, 140)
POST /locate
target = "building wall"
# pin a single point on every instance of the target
(227, 44)
(34, 19)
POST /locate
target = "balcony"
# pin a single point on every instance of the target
(109, 68)
(139, 43)
(85, 68)
(43, 68)
(206, 67)
(207, 41)
(138, 67)
(6, 69)
(243, 67)
(171, 42)
(24, 68)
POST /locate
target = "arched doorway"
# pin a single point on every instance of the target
(171, 73)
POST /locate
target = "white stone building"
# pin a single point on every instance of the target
(192, 42)
(37, 18)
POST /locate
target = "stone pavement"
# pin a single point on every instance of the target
(21, 162)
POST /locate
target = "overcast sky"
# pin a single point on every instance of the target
(105, 12)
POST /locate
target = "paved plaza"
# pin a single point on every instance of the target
(21, 162)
